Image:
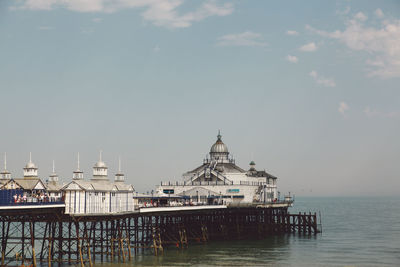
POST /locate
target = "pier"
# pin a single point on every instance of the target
(32, 236)
(99, 220)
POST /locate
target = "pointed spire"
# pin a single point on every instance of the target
(5, 174)
(78, 174)
(78, 162)
(53, 177)
(119, 176)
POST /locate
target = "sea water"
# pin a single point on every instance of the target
(356, 231)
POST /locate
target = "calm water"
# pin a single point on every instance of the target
(356, 232)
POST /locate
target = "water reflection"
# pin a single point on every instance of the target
(269, 251)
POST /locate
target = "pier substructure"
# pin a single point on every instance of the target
(48, 236)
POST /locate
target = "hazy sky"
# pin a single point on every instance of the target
(308, 90)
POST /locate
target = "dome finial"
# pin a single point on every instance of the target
(5, 161)
(219, 135)
(30, 157)
(101, 152)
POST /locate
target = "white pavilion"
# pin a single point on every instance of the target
(98, 195)
(219, 179)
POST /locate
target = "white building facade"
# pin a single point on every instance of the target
(99, 195)
(219, 179)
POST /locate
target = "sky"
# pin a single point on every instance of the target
(308, 90)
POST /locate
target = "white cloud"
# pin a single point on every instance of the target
(289, 32)
(379, 13)
(292, 59)
(38, 4)
(370, 113)
(242, 39)
(360, 16)
(97, 20)
(310, 47)
(343, 107)
(322, 80)
(382, 44)
(159, 12)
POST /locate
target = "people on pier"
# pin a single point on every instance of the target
(40, 197)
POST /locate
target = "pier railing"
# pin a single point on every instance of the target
(190, 183)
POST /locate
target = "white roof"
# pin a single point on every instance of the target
(98, 185)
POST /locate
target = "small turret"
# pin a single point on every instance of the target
(78, 174)
(119, 176)
(252, 166)
(53, 177)
(100, 170)
(30, 170)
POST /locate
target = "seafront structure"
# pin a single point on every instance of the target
(99, 195)
(30, 183)
(219, 179)
(53, 186)
(96, 220)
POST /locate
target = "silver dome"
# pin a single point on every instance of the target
(30, 165)
(219, 146)
(100, 164)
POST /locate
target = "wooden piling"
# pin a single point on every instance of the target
(79, 248)
(32, 231)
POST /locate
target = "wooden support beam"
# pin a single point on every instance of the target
(50, 241)
(79, 248)
(60, 241)
(32, 232)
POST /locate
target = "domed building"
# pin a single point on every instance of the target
(219, 179)
(219, 151)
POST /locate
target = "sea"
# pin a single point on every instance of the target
(356, 231)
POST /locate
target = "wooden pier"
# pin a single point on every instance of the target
(48, 236)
